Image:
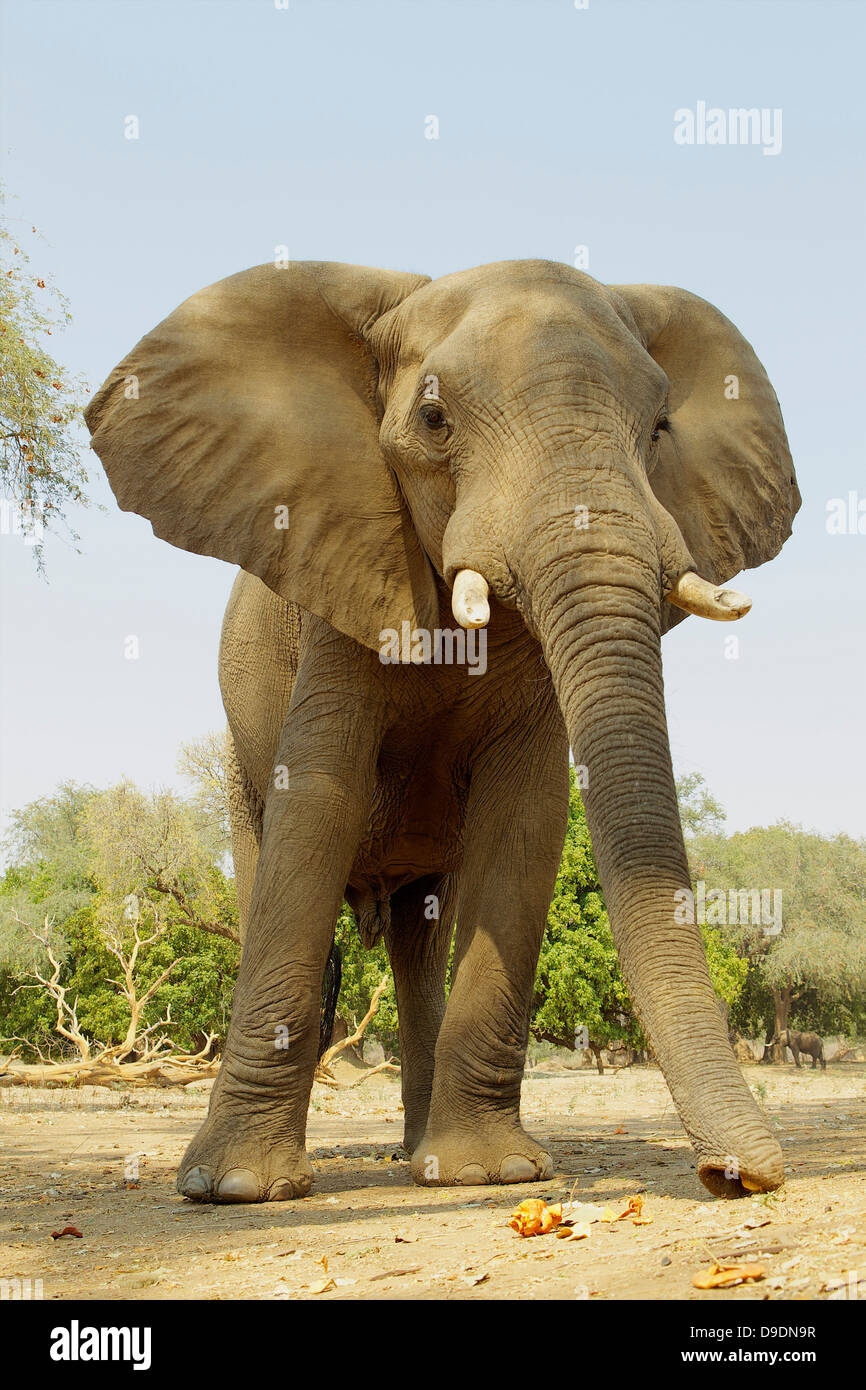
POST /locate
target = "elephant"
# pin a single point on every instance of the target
(564, 469)
(809, 1043)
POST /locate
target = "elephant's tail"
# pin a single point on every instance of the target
(331, 981)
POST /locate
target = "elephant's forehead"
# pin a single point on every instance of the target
(525, 310)
(510, 292)
(498, 341)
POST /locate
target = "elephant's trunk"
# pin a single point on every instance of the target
(598, 619)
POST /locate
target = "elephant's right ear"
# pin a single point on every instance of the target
(246, 426)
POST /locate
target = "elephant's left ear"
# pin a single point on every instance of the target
(723, 467)
(246, 426)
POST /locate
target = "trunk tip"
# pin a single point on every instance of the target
(723, 1177)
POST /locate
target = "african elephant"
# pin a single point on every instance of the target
(809, 1043)
(569, 468)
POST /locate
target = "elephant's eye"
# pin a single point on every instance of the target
(662, 424)
(433, 416)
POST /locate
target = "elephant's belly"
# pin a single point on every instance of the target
(416, 825)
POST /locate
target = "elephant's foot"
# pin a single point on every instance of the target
(226, 1164)
(478, 1157)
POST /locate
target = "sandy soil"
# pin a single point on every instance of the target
(68, 1157)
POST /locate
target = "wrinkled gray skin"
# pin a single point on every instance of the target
(809, 1043)
(414, 429)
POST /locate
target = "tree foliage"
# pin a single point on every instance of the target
(96, 870)
(813, 970)
(103, 868)
(580, 995)
(41, 471)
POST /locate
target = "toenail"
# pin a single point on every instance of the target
(239, 1185)
(472, 1175)
(195, 1184)
(282, 1190)
(516, 1168)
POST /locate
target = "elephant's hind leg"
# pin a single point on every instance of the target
(418, 939)
(245, 815)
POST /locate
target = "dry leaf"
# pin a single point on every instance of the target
(535, 1218)
(323, 1286)
(574, 1232)
(727, 1276)
(582, 1213)
(633, 1209)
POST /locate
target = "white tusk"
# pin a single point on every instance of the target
(705, 600)
(469, 599)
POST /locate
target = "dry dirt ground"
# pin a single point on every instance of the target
(68, 1158)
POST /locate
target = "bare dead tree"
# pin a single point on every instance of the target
(156, 1059)
(323, 1069)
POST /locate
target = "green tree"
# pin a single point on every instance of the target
(700, 812)
(203, 761)
(126, 888)
(362, 972)
(579, 990)
(580, 996)
(40, 402)
(814, 967)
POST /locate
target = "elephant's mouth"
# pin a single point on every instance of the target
(691, 593)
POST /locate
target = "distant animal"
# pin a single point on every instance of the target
(809, 1043)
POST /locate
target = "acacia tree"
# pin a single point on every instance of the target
(581, 998)
(203, 762)
(40, 401)
(580, 995)
(124, 891)
(820, 952)
(700, 812)
(150, 847)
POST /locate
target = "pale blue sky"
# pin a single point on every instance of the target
(306, 127)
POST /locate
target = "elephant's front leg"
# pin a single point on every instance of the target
(516, 822)
(252, 1145)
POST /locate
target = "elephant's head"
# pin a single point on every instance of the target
(601, 458)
